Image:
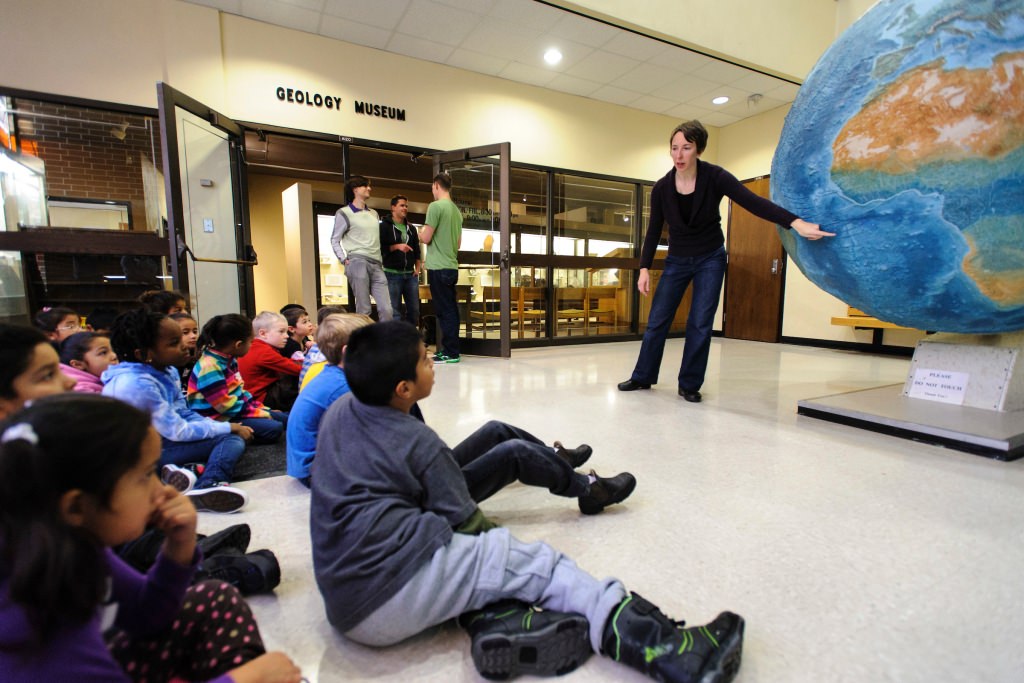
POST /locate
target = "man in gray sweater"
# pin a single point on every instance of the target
(356, 242)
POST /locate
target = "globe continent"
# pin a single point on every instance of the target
(907, 141)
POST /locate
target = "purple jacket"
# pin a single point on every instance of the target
(140, 604)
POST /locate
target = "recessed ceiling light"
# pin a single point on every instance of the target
(721, 99)
(553, 56)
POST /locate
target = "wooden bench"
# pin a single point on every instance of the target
(860, 320)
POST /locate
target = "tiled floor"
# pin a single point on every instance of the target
(853, 556)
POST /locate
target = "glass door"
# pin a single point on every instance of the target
(480, 188)
(211, 255)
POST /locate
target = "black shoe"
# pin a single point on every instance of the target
(632, 385)
(606, 491)
(574, 456)
(691, 396)
(639, 635)
(255, 572)
(233, 540)
(511, 638)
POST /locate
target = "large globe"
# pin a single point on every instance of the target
(907, 141)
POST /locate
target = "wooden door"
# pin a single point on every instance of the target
(756, 273)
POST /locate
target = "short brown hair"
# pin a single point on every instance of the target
(333, 333)
(444, 180)
(694, 131)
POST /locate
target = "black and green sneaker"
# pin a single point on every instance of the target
(512, 638)
(639, 635)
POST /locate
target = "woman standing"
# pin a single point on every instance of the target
(687, 199)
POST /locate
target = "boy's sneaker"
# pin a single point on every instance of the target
(218, 498)
(511, 638)
(233, 540)
(639, 635)
(442, 358)
(606, 491)
(574, 456)
(255, 572)
(180, 478)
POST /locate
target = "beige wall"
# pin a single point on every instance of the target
(783, 37)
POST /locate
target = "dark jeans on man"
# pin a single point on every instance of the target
(706, 272)
(498, 454)
(407, 286)
(267, 429)
(220, 453)
(446, 307)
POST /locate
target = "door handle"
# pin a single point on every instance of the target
(503, 262)
(775, 266)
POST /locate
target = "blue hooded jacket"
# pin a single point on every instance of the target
(158, 392)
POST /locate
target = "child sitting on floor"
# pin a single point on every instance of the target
(299, 330)
(215, 387)
(399, 545)
(29, 368)
(58, 323)
(315, 359)
(149, 347)
(304, 419)
(263, 368)
(77, 476)
(83, 357)
(190, 337)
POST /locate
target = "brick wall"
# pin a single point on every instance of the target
(83, 159)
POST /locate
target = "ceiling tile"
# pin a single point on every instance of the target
(573, 85)
(687, 87)
(686, 112)
(352, 32)
(502, 40)
(434, 21)
(475, 6)
(680, 59)
(229, 6)
(635, 46)
(315, 5)
(735, 97)
(610, 93)
(476, 61)
(526, 13)
(379, 14)
(755, 82)
(278, 13)
(418, 48)
(719, 120)
(526, 73)
(583, 30)
(721, 72)
(602, 67)
(647, 78)
(658, 105)
(572, 52)
(786, 92)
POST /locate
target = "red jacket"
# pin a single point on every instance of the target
(262, 366)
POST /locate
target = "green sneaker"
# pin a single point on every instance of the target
(639, 635)
(511, 638)
(440, 358)
(452, 359)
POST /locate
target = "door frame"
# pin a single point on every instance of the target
(168, 99)
(502, 347)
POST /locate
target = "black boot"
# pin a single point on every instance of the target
(639, 635)
(512, 638)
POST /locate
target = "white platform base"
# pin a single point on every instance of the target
(993, 434)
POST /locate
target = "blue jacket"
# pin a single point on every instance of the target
(158, 392)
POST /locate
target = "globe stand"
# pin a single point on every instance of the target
(961, 392)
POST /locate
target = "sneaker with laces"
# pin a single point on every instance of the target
(512, 638)
(255, 572)
(180, 478)
(574, 456)
(218, 498)
(440, 358)
(606, 491)
(639, 635)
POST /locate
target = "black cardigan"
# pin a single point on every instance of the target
(702, 232)
(401, 261)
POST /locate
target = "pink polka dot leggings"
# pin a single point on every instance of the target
(214, 633)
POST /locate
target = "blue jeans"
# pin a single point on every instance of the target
(407, 286)
(707, 273)
(220, 453)
(498, 454)
(267, 430)
(442, 293)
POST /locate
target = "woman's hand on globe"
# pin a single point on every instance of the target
(810, 231)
